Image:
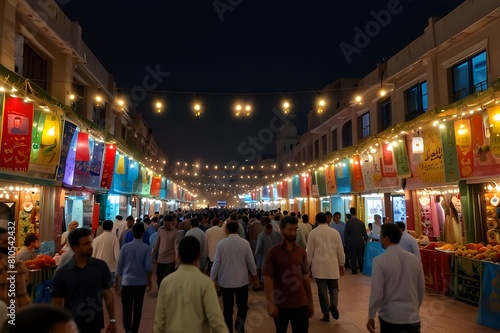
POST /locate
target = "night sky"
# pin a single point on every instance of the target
(249, 46)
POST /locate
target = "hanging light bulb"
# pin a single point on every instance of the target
(159, 107)
(72, 97)
(98, 99)
(248, 109)
(358, 98)
(197, 107)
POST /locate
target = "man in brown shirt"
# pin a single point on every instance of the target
(165, 250)
(287, 283)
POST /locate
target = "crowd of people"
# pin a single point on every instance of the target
(200, 255)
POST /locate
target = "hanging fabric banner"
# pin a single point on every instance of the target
(321, 183)
(155, 186)
(15, 144)
(109, 166)
(120, 183)
(448, 142)
(401, 159)
(357, 175)
(133, 171)
(271, 193)
(265, 193)
(305, 188)
(464, 148)
(83, 147)
(314, 183)
(330, 180)
(388, 164)
(372, 174)
(170, 190)
(147, 178)
(163, 188)
(275, 192)
(45, 146)
(295, 186)
(82, 168)
(68, 134)
(289, 187)
(70, 160)
(486, 162)
(428, 169)
(343, 176)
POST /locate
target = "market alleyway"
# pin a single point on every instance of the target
(440, 314)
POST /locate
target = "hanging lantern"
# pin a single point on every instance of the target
(494, 119)
(417, 145)
(82, 147)
(120, 166)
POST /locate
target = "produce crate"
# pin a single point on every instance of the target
(436, 266)
(467, 278)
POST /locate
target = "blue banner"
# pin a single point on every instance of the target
(343, 176)
(68, 134)
(296, 186)
(489, 304)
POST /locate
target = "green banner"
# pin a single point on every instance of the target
(451, 170)
(402, 162)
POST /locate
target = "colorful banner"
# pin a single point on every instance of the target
(45, 146)
(343, 176)
(70, 160)
(373, 176)
(451, 171)
(265, 193)
(485, 143)
(305, 184)
(428, 168)
(321, 183)
(146, 178)
(388, 161)
(120, 183)
(489, 304)
(463, 136)
(314, 183)
(357, 175)
(68, 134)
(401, 158)
(88, 174)
(330, 180)
(109, 166)
(163, 188)
(295, 186)
(15, 145)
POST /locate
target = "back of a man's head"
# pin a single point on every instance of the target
(107, 225)
(352, 210)
(401, 225)
(189, 249)
(392, 231)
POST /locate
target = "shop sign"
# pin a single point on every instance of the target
(15, 145)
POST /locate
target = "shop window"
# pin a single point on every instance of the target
(385, 114)
(304, 154)
(347, 134)
(364, 125)
(335, 141)
(79, 103)
(34, 67)
(310, 154)
(469, 76)
(416, 100)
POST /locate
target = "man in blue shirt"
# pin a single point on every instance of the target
(339, 225)
(134, 270)
(233, 260)
(82, 283)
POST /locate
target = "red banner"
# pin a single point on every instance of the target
(357, 175)
(305, 184)
(155, 187)
(17, 123)
(82, 147)
(109, 166)
(388, 161)
(330, 180)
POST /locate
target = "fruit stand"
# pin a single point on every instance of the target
(437, 273)
(41, 272)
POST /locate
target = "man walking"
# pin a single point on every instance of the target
(408, 242)
(288, 299)
(187, 301)
(355, 238)
(233, 260)
(106, 247)
(165, 249)
(398, 286)
(133, 273)
(325, 255)
(339, 225)
(83, 285)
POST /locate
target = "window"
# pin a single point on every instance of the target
(385, 114)
(335, 141)
(79, 103)
(34, 67)
(324, 150)
(310, 154)
(347, 134)
(416, 100)
(99, 114)
(291, 146)
(364, 125)
(469, 76)
(316, 149)
(304, 154)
